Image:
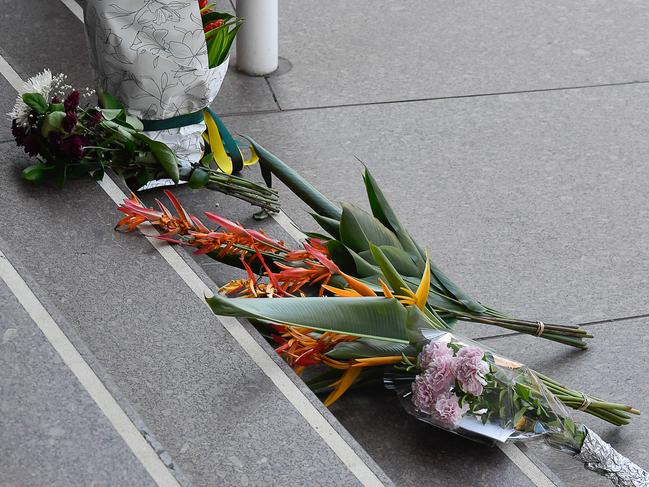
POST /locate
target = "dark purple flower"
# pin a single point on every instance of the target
(56, 100)
(18, 132)
(56, 140)
(95, 118)
(70, 121)
(72, 101)
(32, 144)
(72, 147)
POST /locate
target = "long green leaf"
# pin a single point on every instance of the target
(399, 258)
(395, 280)
(379, 318)
(296, 183)
(368, 347)
(349, 261)
(383, 211)
(358, 228)
(329, 225)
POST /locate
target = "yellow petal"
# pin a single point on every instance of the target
(376, 361)
(386, 290)
(345, 293)
(345, 383)
(216, 145)
(424, 286)
(358, 286)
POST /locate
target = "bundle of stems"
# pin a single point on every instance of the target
(352, 231)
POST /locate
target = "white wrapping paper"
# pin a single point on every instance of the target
(152, 56)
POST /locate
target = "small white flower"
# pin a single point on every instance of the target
(41, 83)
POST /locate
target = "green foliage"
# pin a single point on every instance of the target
(36, 102)
(199, 178)
(219, 40)
(379, 318)
(52, 122)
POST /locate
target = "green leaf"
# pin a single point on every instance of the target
(36, 173)
(382, 210)
(368, 347)
(296, 183)
(401, 261)
(36, 102)
(52, 122)
(134, 122)
(106, 100)
(112, 113)
(396, 282)
(358, 228)
(163, 154)
(329, 225)
(380, 318)
(199, 178)
(349, 261)
(214, 16)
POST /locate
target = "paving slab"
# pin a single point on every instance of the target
(614, 368)
(381, 51)
(53, 433)
(217, 414)
(534, 203)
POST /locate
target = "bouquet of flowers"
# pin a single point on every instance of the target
(166, 61)
(391, 335)
(72, 140)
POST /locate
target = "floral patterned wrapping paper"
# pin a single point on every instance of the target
(152, 56)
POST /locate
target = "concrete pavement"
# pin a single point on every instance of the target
(524, 128)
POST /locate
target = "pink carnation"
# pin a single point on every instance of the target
(447, 411)
(470, 370)
(436, 380)
(433, 351)
(423, 397)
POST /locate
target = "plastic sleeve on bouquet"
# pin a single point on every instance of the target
(602, 458)
(458, 385)
(152, 56)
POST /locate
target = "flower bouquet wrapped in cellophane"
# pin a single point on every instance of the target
(73, 139)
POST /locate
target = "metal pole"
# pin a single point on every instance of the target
(257, 41)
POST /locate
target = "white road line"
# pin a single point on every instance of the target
(75, 8)
(309, 412)
(10, 75)
(90, 382)
(289, 226)
(527, 466)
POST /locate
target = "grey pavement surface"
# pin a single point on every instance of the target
(372, 51)
(534, 202)
(57, 435)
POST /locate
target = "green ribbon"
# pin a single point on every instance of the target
(230, 145)
(173, 122)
